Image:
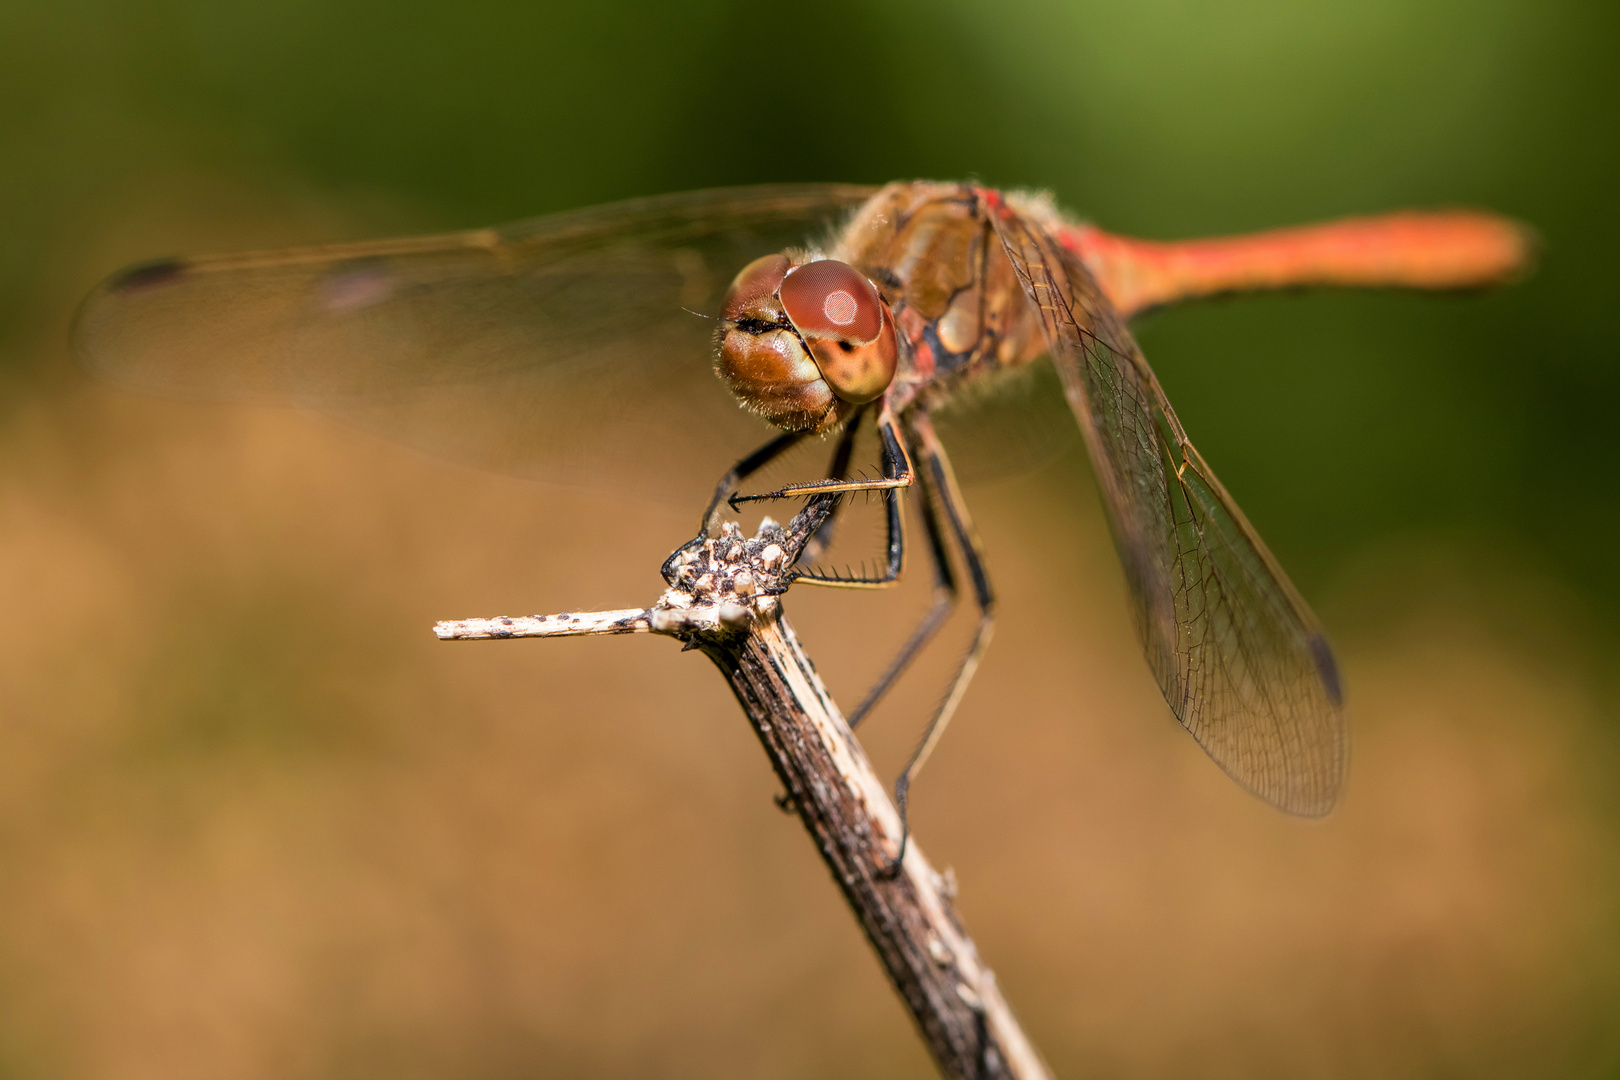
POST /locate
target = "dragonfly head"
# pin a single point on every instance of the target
(803, 345)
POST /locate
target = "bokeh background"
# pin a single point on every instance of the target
(256, 823)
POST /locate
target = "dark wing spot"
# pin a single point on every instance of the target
(148, 274)
(1326, 667)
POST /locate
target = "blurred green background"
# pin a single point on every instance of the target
(254, 825)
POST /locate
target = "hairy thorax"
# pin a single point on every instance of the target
(958, 306)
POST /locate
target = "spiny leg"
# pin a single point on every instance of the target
(837, 470)
(728, 484)
(945, 597)
(897, 473)
(938, 467)
(741, 471)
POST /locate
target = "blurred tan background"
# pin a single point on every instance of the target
(256, 823)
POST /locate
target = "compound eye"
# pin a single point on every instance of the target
(832, 299)
(754, 284)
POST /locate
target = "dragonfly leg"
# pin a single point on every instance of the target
(897, 474)
(837, 470)
(945, 597)
(943, 482)
(728, 484)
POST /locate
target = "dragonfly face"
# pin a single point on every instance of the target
(804, 344)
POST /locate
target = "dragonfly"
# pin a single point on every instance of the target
(568, 347)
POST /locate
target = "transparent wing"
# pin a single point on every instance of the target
(1005, 425)
(557, 348)
(1240, 658)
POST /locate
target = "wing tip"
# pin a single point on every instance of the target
(1321, 801)
(1316, 808)
(146, 275)
(100, 305)
(1327, 668)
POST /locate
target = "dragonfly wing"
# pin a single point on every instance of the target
(565, 348)
(1008, 427)
(1240, 658)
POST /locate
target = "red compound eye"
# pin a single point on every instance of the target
(756, 282)
(833, 299)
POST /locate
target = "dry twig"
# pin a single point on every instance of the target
(725, 602)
